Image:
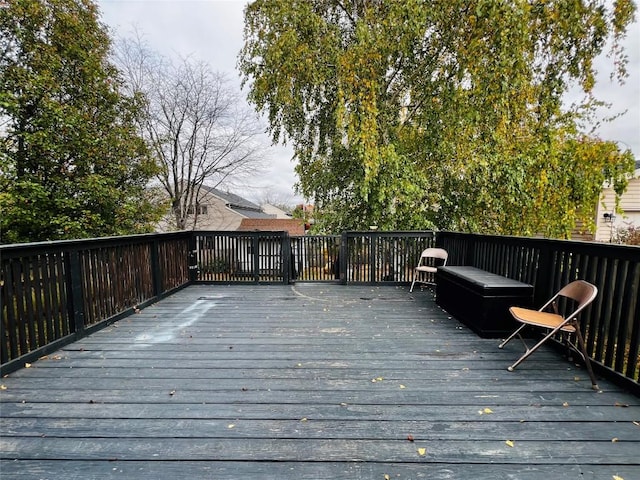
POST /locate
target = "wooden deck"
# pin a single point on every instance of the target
(311, 381)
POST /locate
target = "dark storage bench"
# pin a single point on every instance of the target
(481, 299)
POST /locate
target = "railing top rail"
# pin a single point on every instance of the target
(392, 233)
(18, 249)
(241, 233)
(581, 246)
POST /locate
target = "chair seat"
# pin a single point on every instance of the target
(424, 268)
(540, 319)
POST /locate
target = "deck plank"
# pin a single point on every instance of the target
(308, 381)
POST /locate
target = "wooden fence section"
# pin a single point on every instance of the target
(611, 324)
(55, 292)
(243, 257)
(382, 257)
(34, 301)
(316, 258)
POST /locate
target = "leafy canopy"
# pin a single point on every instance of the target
(71, 162)
(444, 113)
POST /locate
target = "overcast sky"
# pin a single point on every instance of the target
(211, 30)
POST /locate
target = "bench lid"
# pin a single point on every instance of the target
(478, 279)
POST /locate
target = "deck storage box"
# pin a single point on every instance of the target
(481, 299)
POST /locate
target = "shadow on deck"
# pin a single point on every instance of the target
(311, 381)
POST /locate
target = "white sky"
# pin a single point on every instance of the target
(211, 30)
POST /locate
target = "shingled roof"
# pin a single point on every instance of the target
(238, 204)
(295, 226)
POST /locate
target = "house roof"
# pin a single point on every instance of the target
(294, 227)
(249, 213)
(232, 200)
(240, 205)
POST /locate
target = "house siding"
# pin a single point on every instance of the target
(629, 206)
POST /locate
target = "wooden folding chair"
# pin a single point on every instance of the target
(426, 269)
(576, 295)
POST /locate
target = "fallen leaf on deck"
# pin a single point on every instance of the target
(509, 443)
(402, 387)
(387, 477)
(27, 365)
(616, 477)
(304, 419)
(485, 411)
(565, 404)
(3, 387)
(614, 440)
(172, 392)
(618, 404)
(231, 425)
(422, 452)
(410, 437)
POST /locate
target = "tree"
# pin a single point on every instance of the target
(444, 113)
(71, 162)
(195, 124)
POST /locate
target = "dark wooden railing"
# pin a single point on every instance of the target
(243, 257)
(53, 293)
(382, 257)
(56, 292)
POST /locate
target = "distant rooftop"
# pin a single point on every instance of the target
(234, 201)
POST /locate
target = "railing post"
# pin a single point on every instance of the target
(193, 258)
(255, 260)
(75, 292)
(286, 258)
(342, 259)
(373, 255)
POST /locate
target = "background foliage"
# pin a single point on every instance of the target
(444, 113)
(71, 162)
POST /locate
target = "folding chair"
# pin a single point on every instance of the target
(577, 295)
(426, 268)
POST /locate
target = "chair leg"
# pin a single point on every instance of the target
(532, 349)
(585, 357)
(517, 332)
(413, 283)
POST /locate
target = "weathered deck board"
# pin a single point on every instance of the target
(310, 381)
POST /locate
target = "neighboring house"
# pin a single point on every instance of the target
(607, 224)
(219, 210)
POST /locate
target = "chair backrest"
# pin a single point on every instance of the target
(581, 292)
(439, 253)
